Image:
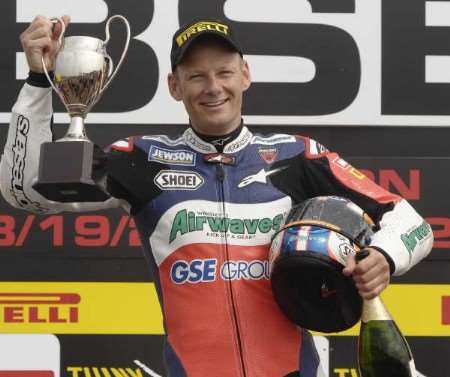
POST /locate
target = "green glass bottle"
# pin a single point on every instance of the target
(382, 349)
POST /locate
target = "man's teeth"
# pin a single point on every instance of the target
(215, 103)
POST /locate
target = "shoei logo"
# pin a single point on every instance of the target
(207, 270)
(29, 355)
(178, 180)
(38, 308)
(198, 28)
(175, 157)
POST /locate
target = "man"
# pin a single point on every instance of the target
(207, 203)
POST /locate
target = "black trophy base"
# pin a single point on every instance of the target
(65, 173)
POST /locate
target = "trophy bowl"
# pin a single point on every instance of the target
(83, 71)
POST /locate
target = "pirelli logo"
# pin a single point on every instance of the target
(446, 310)
(79, 308)
(200, 27)
(39, 307)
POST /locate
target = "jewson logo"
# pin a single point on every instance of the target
(186, 222)
(173, 157)
(207, 270)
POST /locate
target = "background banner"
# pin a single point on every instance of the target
(369, 80)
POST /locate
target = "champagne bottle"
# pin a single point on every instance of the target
(382, 349)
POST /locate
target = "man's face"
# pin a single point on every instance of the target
(210, 81)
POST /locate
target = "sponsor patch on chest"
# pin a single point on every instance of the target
(178, 180)
(171, 157)
(269, 155)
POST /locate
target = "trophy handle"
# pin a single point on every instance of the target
(55, 20)
(125, 49)
(111, 65)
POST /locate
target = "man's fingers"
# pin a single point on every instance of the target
(371, 274)
(39, 22)
(58, 28)
(39, 28)
(37, 34)
(41, 43)
(350, 266)
(364, 276)
(379, 281)
(373, 292)
(66, 19)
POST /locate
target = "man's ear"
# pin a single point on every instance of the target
(247, 79)
(174, 86)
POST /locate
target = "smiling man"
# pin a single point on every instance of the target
(207, 203)
(210, 77)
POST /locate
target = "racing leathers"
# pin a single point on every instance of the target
(206, 220)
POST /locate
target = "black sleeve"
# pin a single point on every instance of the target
(307, 177)
(129, 176)
(39, 79)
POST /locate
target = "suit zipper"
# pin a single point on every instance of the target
(220, 173)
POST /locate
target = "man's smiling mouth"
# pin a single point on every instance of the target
(215, 103)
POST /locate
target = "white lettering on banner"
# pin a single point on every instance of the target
(21, 66)
(295, 69)
(364, 27)
(28, 9)
(437, 13)
(31, 352)
(436, 69)
(268, 10)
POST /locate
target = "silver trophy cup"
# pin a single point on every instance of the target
(83, 71)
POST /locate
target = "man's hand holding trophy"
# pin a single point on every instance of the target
(79, 70)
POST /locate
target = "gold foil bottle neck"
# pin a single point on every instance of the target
(374, 310)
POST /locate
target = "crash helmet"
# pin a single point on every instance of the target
(307, 257)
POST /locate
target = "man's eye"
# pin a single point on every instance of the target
(194, 77)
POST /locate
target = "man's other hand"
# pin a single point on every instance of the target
(371, 274)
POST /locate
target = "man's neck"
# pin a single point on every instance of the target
(219, 141)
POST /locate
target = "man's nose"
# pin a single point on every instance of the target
(212, 85)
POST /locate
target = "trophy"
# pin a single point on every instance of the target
(83, 71)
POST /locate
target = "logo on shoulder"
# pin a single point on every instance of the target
(344, 165)
(124, 145)
(269, 155)
(173, 157)
(178, 180)
(274, 139)
(316, 149)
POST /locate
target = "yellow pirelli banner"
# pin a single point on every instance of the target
(133, 308)
(418, 309)
(79, 308)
